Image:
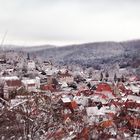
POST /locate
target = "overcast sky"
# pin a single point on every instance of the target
(68, 21)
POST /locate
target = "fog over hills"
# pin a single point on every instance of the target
(90, 54)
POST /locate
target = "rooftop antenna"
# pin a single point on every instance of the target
(2, 41)
(3, 57)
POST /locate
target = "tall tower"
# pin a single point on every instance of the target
(28, 56)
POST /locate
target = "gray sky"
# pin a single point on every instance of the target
(63, 22)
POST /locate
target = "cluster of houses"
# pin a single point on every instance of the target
(82, 107)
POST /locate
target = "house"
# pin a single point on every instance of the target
(31, 84)
(31, 65)
(65, 101)
(13, 84)
(49, 87)
(51, 84)
(69, 104)
(51, 79)
(10, 83)
(94, 113)
(65, 77)
(81, 100)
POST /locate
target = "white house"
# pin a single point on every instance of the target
(31, 84)
(31, 65)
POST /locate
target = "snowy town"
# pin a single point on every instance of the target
(43, 101)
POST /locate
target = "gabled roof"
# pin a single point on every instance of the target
(103, 87)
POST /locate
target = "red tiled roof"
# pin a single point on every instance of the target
(73, 105)
(103, 87)
(50, 87)
(106, 124)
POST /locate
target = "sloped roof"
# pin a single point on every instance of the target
(29, 81)
(13, 83)
(73, 104)
(10, 78)
(106, 124)
(103, 87)
(66, 100)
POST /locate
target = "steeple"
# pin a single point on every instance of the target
(28, 56)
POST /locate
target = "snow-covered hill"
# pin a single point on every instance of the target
(90, 54)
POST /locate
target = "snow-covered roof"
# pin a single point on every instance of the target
(133, 98)
(98, 98)
(28, 81)
(66, 100)
(64, 85)
(134, 88)
(95, 111)
(52, 71)
(81, 100)
(88, 79)
(9, 78)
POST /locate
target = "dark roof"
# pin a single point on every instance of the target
(60, 75)
(13, 83)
